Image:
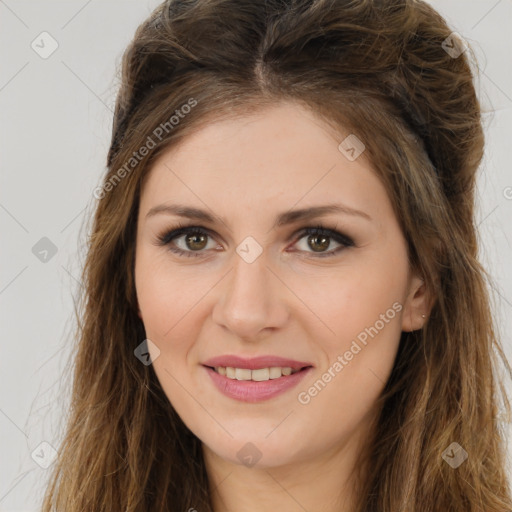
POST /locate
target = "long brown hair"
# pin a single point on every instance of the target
(392, 73)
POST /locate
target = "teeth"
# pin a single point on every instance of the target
(258, 375)
(261, 374)
(275, 372)
(242, 374)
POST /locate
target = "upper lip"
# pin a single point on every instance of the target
(255, 363)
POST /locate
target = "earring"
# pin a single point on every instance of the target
(423, 316)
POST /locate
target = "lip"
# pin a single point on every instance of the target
(252, 391)
(255, 363)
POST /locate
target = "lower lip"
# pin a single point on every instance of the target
(253, 391)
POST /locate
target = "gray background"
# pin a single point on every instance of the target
(55, 123)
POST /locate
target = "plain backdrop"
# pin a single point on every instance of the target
(55, 122)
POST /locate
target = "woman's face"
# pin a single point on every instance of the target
(253, 284)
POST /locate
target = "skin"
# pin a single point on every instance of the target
(288, 302)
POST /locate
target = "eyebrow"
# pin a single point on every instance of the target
(285, 218)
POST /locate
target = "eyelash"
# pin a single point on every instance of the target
(167, 237)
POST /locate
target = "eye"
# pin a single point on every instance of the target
(320, 238)
(190, 241)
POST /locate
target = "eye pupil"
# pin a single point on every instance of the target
(193, 239)
(323, 245)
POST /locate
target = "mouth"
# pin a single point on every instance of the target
(256, 384)
(257, 374)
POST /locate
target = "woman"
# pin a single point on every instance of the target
(283, 307)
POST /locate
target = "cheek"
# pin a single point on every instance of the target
(165, 297)
(353, 302)
(360, 310)
(166, 301)
(358, 358)
(173, 312)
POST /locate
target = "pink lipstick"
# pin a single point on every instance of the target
(255, 379)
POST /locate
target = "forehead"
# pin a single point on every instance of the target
(281, 155)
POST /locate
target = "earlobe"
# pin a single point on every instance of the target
(417, 305)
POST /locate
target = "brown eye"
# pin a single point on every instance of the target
(196, 241)
(319, 240)
(318, 243)
(186, 241)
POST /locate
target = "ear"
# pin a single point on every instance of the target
(417, 305)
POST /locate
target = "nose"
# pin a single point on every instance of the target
(251, 300)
